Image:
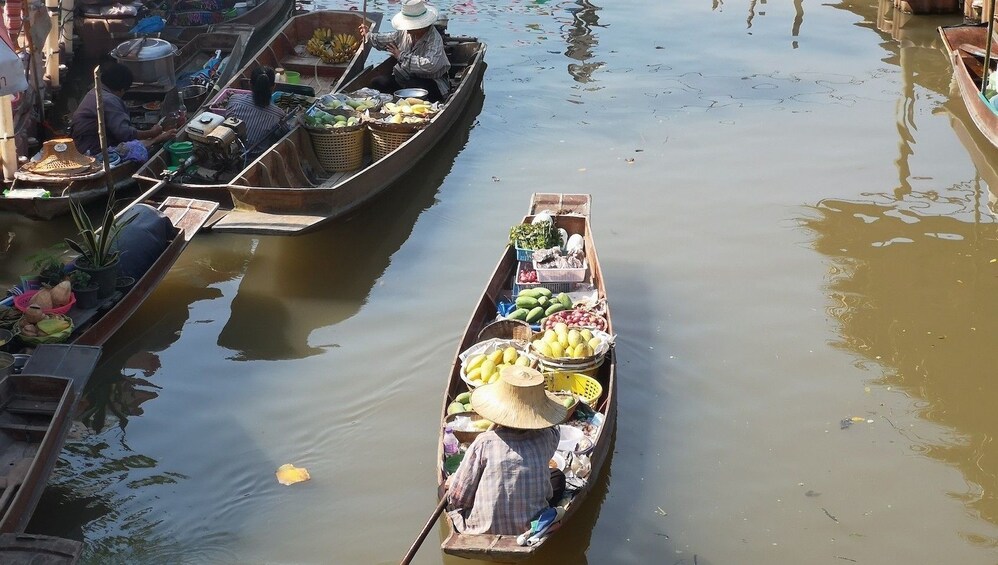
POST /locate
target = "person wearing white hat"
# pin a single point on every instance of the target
(504, 480)
(418, 50)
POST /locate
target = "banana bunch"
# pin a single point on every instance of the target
(330, 47)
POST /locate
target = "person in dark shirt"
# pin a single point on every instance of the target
(265, 121)
(115, 80)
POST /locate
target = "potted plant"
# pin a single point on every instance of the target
(47, 269)
(98, 252)
(84, 288)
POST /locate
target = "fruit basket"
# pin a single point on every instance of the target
(22, 301)
(553, 348)
(583, 386)
(462, 425)
(54, 337)
(480, 363)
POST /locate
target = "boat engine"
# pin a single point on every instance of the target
(217, 142)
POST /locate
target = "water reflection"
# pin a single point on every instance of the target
(287, 281)
(581, 39)
(913, 292)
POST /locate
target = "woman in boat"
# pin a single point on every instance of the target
(418, 50)
(265, 121)
(504, 480)
(115, 80)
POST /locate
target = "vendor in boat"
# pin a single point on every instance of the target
(418, 50)
(504, 480)
(115, 80)
(265, 121)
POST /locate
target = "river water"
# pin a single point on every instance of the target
(795, 228)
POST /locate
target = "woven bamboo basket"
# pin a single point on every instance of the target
(384, 142)
(339, 149)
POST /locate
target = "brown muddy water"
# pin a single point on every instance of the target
(795, 228)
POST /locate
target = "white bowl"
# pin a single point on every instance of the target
(569, 437)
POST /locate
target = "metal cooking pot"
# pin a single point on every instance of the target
(149, 58)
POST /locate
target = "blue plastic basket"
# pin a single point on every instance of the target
(524, 254)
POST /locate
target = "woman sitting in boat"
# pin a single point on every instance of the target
(504, 480)
(418, 50)
(115, 80)
(265, 121)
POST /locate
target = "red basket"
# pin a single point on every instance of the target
(22, 301)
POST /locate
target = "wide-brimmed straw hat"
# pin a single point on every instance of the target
(60, 157)
(519, 400)
(415, 14)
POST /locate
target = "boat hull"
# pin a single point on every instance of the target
(966, 79)
(62, 191)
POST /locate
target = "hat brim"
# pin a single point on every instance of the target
(490, 402)
(403, 22)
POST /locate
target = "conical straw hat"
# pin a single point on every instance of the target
(59, 156)
(518, 400)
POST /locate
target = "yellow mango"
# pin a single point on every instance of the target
(496, 357)
(563, 340)
(586, 334)
(561, 328)
(557, 350)
(523, 361)
(488, 367)
(509, 355)
(550, 336)
(475, 374)
(542, 347)
(595, 342)
(574, 337)
(474, 363)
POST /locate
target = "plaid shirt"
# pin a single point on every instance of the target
(420, 59)
(263, 125)
(503, 482)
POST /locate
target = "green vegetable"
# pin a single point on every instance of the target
(535, 236)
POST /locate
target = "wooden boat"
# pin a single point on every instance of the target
(25, 194)
(35, 415)
(95, 326)
(179, 31)
(231, 39)
(277, 194)
(33, 549)
(278, 52)
(965, 45)
(571, 213)
(287, 191)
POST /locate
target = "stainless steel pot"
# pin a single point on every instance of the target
(149, 58)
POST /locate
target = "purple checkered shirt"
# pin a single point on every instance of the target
(503, 482)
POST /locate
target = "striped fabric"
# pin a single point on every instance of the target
(503, 482)
(260, 122)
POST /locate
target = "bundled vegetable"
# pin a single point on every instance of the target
(542, 235)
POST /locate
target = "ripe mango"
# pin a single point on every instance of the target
(454, 408)
(586, 334)
(595, 342)
(474, 363)
(523, 361)
(550, 336)
(542, 347)
(557, 350)
(561, 328)
(509, 355)
(574, 337)
(488, 367)
(495, 357)
(475, 374)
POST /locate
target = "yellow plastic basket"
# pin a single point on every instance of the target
(587, 388)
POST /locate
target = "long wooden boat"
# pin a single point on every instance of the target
(276, 194)
(571, 211)
(35, 415)
(96, 325)
(965, 45)
(278, 52)
(25, 196)
(259, 17)
(231, 39)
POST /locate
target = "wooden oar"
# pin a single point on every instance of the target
(426, 530)
(987, 46)
(429, 523)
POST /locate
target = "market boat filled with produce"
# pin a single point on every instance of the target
(557, 320)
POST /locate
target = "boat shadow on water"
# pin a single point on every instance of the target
(323, 278)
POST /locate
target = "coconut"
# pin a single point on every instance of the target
(42, 298)
(60, 293)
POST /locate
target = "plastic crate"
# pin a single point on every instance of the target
(553, 287)
(217, 104)
(524, 254)
(561, 275)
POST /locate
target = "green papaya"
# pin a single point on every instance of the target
(535, 315)
(542, 301)
(566, 300)
(518, 314)
(531, 292)
(543, 291)
(556, 307)
(527, 302)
